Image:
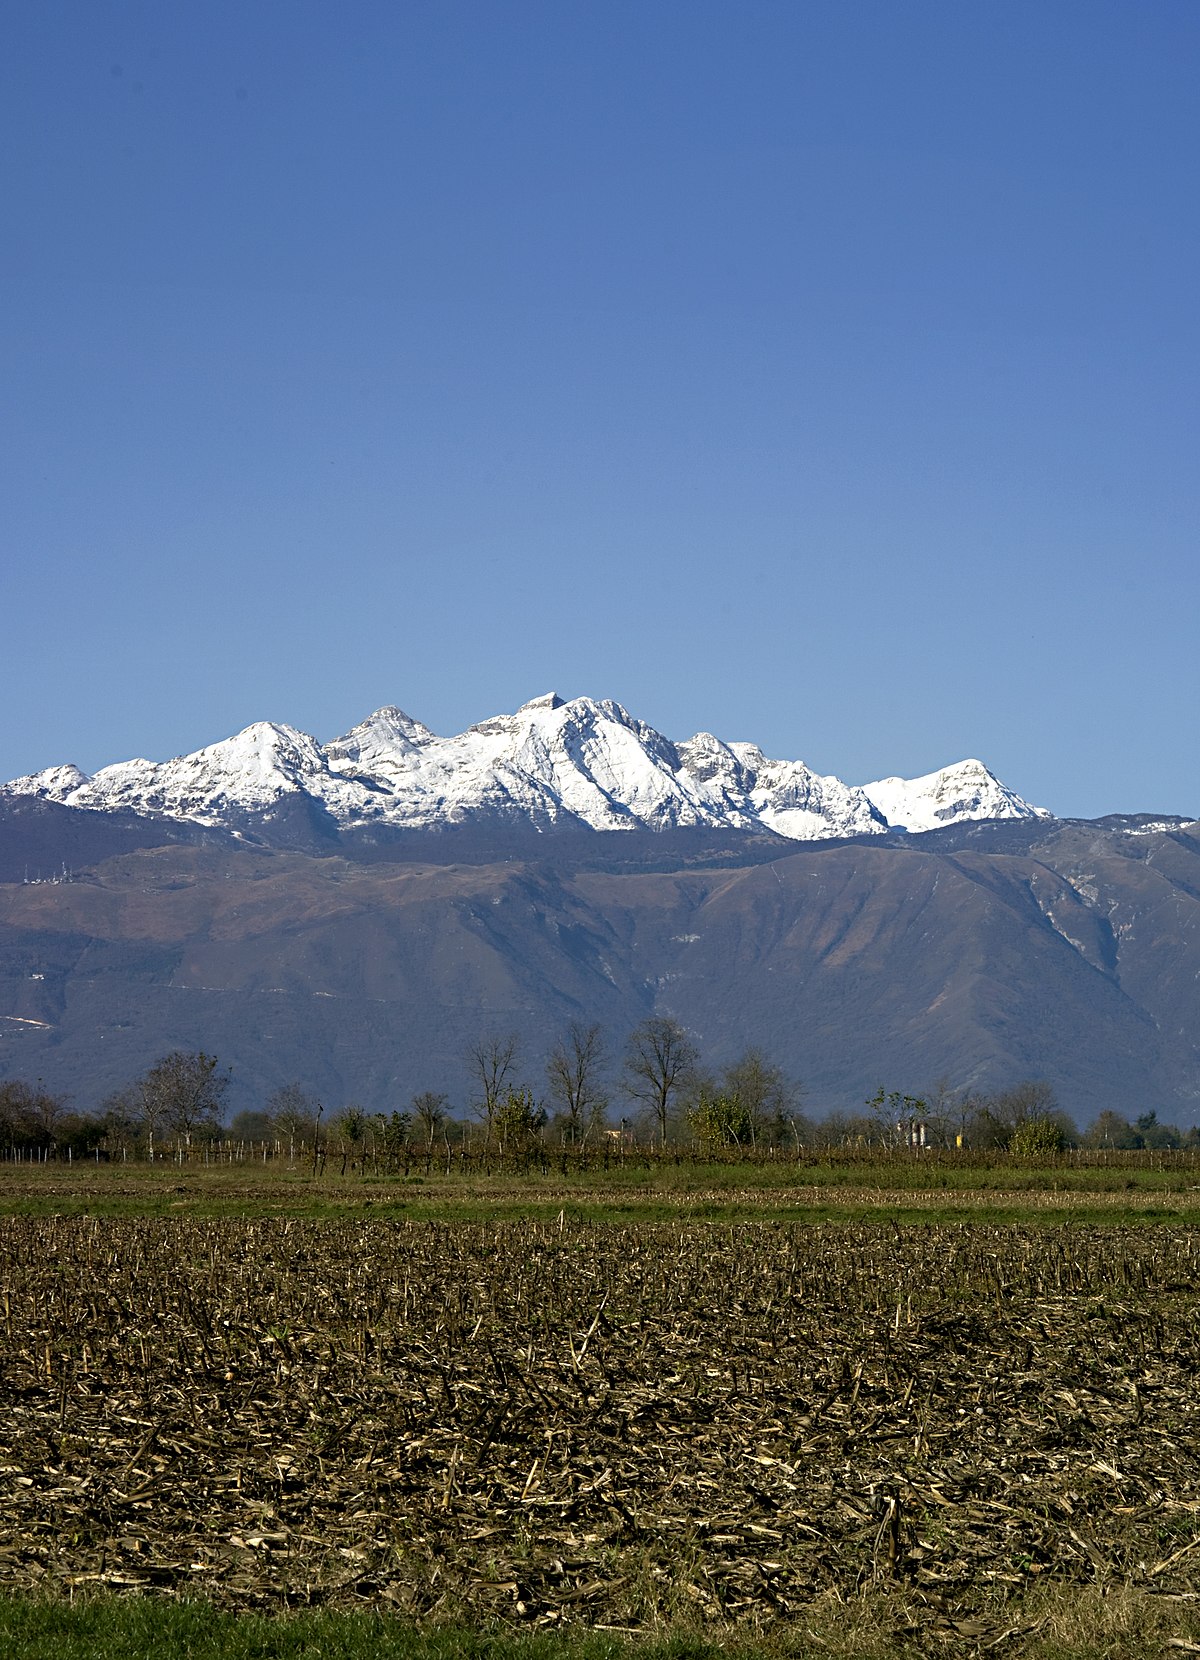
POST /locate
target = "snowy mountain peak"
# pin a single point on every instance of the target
(386, 736)
(585, 761)
(395, 722)
(52, 783)
(250, 771)
(264, 756)
(965, 791)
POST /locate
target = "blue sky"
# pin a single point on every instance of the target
(823, 374)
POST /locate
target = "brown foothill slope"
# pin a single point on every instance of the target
(1066, 953)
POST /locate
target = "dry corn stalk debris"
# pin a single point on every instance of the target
(611, 1424)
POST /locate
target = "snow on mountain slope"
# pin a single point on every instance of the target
(386, 743)
(954, 794)
(584, 761)
(796, 802)
(52, 784)
(249, 772)
(550, 761)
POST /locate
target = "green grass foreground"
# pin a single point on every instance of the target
(1126, 1190)
(1115, 1624)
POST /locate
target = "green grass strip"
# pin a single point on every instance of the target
(1054, 1622)
(146, 1628)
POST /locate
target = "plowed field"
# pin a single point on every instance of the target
(599, 1423)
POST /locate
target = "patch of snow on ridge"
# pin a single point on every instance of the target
(1156, 826)
(964, 792)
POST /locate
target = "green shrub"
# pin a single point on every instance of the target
(1036, 1136)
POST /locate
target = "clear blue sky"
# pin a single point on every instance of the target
(822, 373)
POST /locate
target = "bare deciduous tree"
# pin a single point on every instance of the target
(295, 1114)
(182, 1092)
(431, 1111)
(293, 1110)
(493, 1062)
(573, 1073)
(658, 1061)
(28, 1113)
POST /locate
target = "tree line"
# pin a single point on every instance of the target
(655, 1093)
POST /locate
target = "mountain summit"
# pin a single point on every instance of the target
(578, 762)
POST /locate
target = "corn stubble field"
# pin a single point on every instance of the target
(626, 1427)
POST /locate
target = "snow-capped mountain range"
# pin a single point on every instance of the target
(581, 762)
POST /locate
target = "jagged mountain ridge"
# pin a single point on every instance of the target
(581, 763)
